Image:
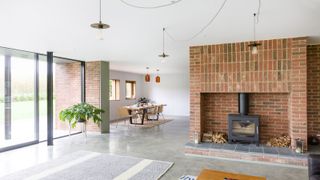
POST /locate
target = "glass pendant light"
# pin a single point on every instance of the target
(100, 26)
(254, 50)
(254, 45)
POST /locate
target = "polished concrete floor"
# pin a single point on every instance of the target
(165, 142)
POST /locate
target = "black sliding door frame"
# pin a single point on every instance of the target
(8, 99)
(49, 98)
(36, 97)
(83, 82)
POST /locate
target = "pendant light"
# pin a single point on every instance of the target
(157, 77)
(147, 76)
(163, 55)
(254, 45)
(100, 26)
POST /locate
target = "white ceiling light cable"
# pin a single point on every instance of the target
(175, 2)
(258, 12)
(203, 28)
(151, 7)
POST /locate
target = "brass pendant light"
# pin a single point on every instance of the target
(163, 55)
(254, 45)
(100, 26)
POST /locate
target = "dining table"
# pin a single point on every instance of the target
(140, 108)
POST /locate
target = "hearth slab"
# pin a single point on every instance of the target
(298, 155)
(242, 148)
(248, 152)
(217, 146)
(229, 146)
(256, 150)
(206, 145)
(270, 150)
(201, 145)
(286, 152)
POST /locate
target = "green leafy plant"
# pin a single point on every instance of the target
(143, 100)
(80, 112)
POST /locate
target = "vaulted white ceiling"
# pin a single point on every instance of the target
(134, 40)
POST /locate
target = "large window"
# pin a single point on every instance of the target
(2, 116)
(114, 86)
(17, 98)
(130, 89)
(43, 98)
(23, 96)
(22, 100)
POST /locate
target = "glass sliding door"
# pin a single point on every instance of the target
(17, 99)
(22, 100)
(42, 98)
(2, 132)
(23, 96)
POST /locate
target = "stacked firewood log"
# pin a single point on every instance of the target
(280, 141)
(219, 138)
(207, 137)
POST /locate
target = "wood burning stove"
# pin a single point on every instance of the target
(243, 127)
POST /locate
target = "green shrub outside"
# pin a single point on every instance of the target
(25, 97)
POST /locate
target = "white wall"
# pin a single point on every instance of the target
(173, 90)
(123, 76)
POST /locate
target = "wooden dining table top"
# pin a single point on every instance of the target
(135, 107)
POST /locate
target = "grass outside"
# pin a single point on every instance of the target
(24, 110)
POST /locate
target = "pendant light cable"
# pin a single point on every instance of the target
(203, 28)
(175, 2)
(258, 12)
(163, 30)
(150, 7)
(163, 55)
(254, 27)
(100, 11)
(256, 20)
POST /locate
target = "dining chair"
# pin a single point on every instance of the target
(154, 112)
(124, 114)
(160, 111)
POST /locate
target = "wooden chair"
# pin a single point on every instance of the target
(124, 115)
(154, 112)
(160, 111)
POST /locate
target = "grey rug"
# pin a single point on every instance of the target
(94, 166)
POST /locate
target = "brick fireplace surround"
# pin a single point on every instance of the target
(283, 82)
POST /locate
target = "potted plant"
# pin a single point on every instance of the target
(142, 101)
(81, 112)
